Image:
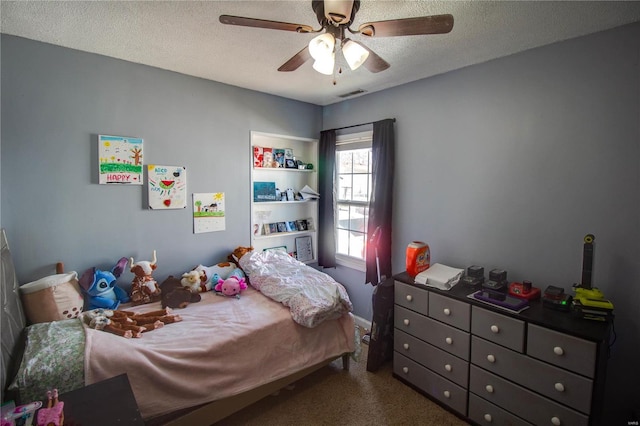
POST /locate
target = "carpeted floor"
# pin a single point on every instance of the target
(332, 396)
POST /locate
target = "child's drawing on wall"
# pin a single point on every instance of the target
(208, 212)
(120, 160)
(167, 187)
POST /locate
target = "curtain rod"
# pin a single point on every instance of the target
(358, 125)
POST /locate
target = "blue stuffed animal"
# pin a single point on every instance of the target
(100, 288)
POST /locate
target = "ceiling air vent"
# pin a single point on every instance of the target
(355, 92)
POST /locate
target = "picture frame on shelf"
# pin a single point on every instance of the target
(304, 248)
(266, 230)
(301, 224)
(273, 228)
(290, 163)
(282, 227)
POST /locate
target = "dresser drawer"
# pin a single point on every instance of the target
(441, 389)
(516, 399)
(560, 385)
(484, 413)
(443, 336)
(568, 352)
(450, 311)
(411, 297)
(503, 330)
(437, 360)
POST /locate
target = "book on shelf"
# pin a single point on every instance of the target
(273, 228)
(264, 191)
(310, 226)
(282, 227)
(268, 159)
(266, 229)
(301, 224)
(258, 156)
(292, 226)
(288, 154)
(278, 154)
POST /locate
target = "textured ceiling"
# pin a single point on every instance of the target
(187, 37)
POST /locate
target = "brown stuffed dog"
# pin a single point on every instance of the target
(175, 295)
(128, 324)
(238, 253)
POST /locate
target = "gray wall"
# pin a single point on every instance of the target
(505, 164)
(510, 163)
(55, 102)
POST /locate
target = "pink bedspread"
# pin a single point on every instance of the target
(223, 346)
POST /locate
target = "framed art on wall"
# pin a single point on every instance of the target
(304, 249)
(120, 160)
(167, 187)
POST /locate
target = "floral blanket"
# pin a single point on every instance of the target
(312, 296)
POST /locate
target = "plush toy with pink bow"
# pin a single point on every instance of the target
(233, 285)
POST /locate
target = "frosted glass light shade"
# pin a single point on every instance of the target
(355, 54)
(322, 46)
(325, 65)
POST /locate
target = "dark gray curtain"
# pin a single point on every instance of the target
(381, 203)
(326, 225)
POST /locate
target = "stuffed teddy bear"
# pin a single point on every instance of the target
(100, 287)
(175, 295)
(193, 281)
(128, 324)
(144, 288)
(233, 285)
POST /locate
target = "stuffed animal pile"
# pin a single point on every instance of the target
(128, 324)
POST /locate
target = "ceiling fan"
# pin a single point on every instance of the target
(335, 18)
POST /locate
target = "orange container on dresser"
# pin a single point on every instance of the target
(418, 257)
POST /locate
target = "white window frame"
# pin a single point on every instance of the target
(344, 143)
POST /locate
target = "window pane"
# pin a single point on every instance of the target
(343, 216)
(345, 185)
(370, 170)
(357, 220)
(361, 187)
(356, 244)
(342, 242)
(345, 161)
(361, 161)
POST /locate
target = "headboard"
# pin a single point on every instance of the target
(12, 319)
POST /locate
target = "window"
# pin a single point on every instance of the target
(352, 192)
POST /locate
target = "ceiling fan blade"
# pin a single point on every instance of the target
(436, 24)
(374, 63)
(296, 61)
(262, 23)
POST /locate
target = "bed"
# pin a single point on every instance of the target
(225, 354)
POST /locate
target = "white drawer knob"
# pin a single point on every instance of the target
(406, 322)
(495, 329)
(449, 340)
(447, 394)
(405, 370)
(489, 388)
(555, 421)
(409, 297)
(406, 346)
(558, 351)
(491, 358)
(487, 418)
(447, 311)
(448, 367)
(559, 387)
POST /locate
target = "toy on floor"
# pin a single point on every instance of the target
(52, 414)
(129, 324)
(233, 285)
(100, 287)
(144, 288)
(175, 295)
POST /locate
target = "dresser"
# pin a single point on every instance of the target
(492, 366)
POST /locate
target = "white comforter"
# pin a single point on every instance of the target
(312, 296)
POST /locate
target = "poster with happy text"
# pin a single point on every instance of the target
(120, 160)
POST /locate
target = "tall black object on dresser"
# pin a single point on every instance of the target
(492, 366)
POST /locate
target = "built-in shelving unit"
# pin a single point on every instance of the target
(279, 212)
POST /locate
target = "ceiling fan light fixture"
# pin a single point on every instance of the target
(354, 53)
(322, 46)
(325, 65)
(338, 11)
